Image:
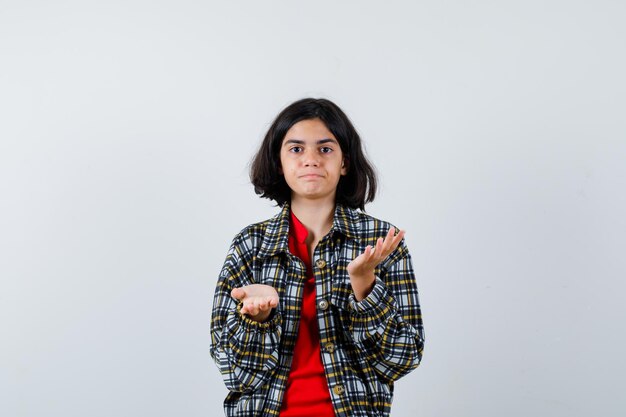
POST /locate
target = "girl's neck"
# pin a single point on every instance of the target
(316, 216)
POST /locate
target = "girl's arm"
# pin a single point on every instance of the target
(387, 325)
(245, 351)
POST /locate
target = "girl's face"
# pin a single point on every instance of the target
(311, 160)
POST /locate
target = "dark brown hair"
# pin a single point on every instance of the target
(354, 189)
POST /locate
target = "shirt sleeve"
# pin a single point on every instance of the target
(387, 324)
(245, 351)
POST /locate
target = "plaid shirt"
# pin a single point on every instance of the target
(365, 345)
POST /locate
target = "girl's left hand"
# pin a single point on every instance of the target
(361, 269)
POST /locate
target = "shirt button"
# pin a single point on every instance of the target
(330, 348)
(323, 304)
(339, 389)
(320, 263)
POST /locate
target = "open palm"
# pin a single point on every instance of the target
(258, 300)
(364, 264)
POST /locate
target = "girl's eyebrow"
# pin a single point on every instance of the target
(301, 142)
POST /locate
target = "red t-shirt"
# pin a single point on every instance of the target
(307, 390)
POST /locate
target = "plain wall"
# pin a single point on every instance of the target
(497, 129)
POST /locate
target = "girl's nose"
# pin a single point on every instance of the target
(311, 158)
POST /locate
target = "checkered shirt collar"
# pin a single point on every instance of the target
(276, 238)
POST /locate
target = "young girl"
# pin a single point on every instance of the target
(316, 310)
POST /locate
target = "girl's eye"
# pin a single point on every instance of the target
(298, 149)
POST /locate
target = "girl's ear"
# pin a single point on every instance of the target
(344, 166)
(280, 170)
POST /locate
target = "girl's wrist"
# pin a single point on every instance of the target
(362, 285)
(261, 317)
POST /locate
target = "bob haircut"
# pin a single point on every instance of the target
(354, 189)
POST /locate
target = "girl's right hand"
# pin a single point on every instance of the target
(258, 300)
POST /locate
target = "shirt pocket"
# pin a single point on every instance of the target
(274, 272)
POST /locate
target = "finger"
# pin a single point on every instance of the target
(397, 239)
(274, 302)
(252, 310)
(379, 246)
(389, 239)
(394, 241)
(238, 293)
(270, 302)
(370, 253)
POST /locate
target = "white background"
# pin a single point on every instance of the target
(498, 130)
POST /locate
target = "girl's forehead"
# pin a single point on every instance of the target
(309, 125)
(309, 132)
